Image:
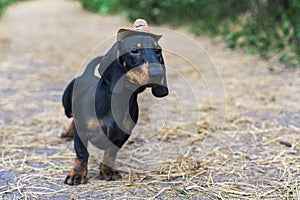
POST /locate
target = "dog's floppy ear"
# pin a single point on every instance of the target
(110, 69)
(161, 90)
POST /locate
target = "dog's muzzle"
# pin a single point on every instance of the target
(156, 74)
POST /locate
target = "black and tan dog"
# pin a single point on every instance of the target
(105, 110)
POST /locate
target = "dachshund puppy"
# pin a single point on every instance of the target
(105, 110)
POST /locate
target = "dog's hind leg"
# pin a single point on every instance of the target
(69, 132)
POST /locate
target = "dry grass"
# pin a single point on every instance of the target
(249, 162)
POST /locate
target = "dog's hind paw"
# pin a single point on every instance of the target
(67, 135)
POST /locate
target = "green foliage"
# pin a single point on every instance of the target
(272, 27)
(184, 192)
(100, 6)
(5, 3)
(267, 27)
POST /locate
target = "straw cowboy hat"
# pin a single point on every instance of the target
(139, 27)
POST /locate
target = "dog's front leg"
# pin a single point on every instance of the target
(78, 173)
(107, 167)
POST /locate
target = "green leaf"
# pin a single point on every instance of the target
(54, 168)
(284, 58)
(184, 192)
(249, 51)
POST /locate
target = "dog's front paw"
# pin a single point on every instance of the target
(75, 179)
(78, 174)
(108, 173)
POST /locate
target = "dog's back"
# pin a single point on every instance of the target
(87, 77)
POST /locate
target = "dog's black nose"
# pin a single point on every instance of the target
(155, 71)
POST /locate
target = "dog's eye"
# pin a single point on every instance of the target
(135, 51)
(158, 51)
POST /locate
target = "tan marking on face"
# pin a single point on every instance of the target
(144, 76)
(131, 75)
(139, 75)
(124, 64)
(139, 45)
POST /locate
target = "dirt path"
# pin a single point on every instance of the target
(256, 148)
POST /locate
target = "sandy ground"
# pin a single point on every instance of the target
(228, 130)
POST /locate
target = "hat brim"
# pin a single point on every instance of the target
(124, 32)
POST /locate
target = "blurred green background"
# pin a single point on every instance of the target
(268, 27)
(5, 3)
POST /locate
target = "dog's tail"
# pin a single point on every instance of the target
(90, 68)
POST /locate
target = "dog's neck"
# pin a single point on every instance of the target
(124, 101)
(125, 109)
(124, 97)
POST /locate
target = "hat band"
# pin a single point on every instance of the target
(141, 27)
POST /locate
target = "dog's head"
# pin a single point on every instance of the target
(135, 62)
